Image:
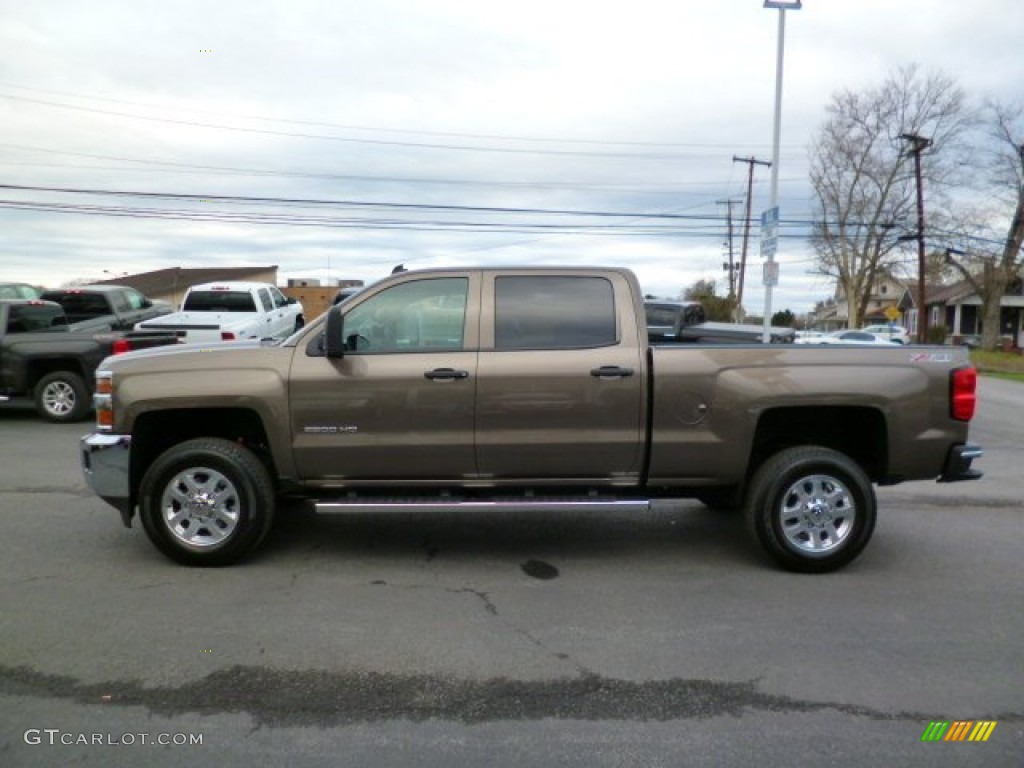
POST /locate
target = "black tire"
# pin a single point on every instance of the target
(62, 397)
(299, 323)
(812, 509)
(232, 497)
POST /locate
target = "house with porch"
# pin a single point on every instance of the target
(883, 307)
(958, 308)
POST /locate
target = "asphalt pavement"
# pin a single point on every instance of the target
(453, 639)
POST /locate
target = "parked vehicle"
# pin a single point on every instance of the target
(480, 388)
(892, 332)
(847, 337)
(345, 293)
(214, 312)
(123, 304)
(18, 291)
(44, 358)
(683, 321)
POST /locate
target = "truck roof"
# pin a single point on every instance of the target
(90, 288)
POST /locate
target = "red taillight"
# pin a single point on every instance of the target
(122, 345)
(963, 382)
(227, 336)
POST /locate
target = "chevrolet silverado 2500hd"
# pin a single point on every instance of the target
(472, 388)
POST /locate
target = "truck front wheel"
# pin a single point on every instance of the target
(206, 502)
(811, 508)
(61, 396)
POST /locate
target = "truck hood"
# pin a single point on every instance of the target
(177, 356)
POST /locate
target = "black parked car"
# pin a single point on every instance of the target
(127, 305)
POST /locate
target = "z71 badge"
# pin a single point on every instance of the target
(931, 357)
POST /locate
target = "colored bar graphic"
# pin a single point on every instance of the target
(935, 730)
(958, 730)
(982, 730)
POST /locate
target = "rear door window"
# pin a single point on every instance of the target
(553, 312)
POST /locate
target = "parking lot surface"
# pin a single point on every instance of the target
(500, 639)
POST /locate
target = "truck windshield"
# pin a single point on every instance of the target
(23, 318)
(219, 301)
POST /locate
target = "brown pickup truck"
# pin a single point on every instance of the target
(471, 388)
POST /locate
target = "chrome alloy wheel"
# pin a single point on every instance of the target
(200, 507)
(816, 514)
(59, 398)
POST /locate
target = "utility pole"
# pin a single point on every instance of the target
(751, 162)
(919, 144)
(730, 265)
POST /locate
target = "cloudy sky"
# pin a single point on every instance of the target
(338, 139)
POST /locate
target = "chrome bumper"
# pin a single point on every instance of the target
(106, 465)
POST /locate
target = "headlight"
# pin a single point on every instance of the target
(103, 401)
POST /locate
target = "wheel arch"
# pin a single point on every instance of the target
(156, 431)
(37, 369)
(859, 432)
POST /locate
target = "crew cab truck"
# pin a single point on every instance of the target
(232, 311)
(44, 358)
(471, 388)
(121, 306)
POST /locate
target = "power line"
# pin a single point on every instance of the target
(348, 139)
(379, 129)
(353, 203)
(189, 167)
(660, 223)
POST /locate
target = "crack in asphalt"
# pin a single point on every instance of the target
(491, 607)
(484, 597)
(290, 698)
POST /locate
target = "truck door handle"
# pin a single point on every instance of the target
(446, 374)
(611, 372)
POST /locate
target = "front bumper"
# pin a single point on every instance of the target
(958, 463)
(106, 465)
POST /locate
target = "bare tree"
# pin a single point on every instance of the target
(990, 266)
(863, 178)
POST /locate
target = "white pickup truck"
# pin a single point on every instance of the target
(214, 312)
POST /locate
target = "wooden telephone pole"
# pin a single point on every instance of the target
(920, 143)
(751, 162)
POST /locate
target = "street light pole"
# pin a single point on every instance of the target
(782, 6)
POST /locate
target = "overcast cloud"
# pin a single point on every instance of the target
(618, 109)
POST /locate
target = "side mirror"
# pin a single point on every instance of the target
(334, 333)
(291, 299)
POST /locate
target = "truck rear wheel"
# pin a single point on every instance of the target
(206, 502)
(61, 396)
(811, 508)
